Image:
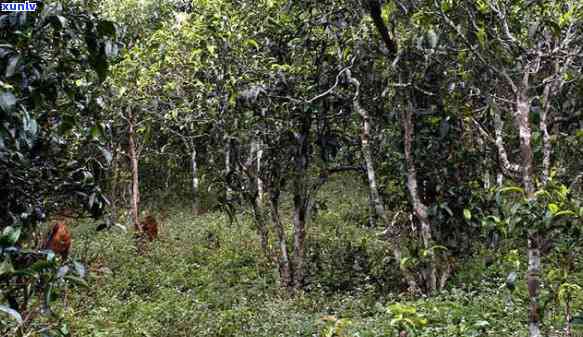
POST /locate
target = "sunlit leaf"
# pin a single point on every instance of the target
(467, 214)
(12, 313)
(7, 101)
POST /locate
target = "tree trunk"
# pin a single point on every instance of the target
(195, 182)
(260, 188)
(135, 173)
(419, 208)
(486, 178)
(367, 153)
(261, 226)
(114, 183)
(285, 271)
(299, 220)
(228, 153)
(300, 200)
(568, 318)
(546, 138)
(533, 282)
(507, 167)
(372, 219)
(521, 120)
(524, 135)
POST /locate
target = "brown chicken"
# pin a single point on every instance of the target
(59, 240)
(150, 227)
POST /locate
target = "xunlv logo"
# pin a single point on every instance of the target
(18, 6)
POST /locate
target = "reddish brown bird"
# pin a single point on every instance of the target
(150, 227)
(59, 240)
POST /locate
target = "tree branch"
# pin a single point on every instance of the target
(376, 15)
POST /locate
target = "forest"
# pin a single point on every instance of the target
(290, 168)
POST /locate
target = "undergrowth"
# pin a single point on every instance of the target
(206, 278)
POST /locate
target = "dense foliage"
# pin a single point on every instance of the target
(384, 167)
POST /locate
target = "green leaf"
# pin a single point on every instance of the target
(565, 213)
(5, 50)
(6, 268)
(96, 133)
(512, 189)
(578, 320)
(553, 208)
(80, 269)
(511, 280)
(92, 200)
(481, 324)
(77, 280)
(432, 38)
(12, 313)
(437, 248)
(10, 236)
(467, 214)
(12, 66)
(481, 35)
(252, 43)
(7, 101)
(447, 209)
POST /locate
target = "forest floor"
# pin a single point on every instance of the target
(204, 277)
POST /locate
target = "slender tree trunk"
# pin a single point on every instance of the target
(376, 202)
(546, 138)
(114, 183)
(300, 200)
(367, 153)
(521, 120)
(533, 282)
(524, 135)
(299, 220)
(486, 178)
(261, 226)
(419, 208)
(228, 154)
(568, 318)
(371, 210)
(251, 170)
(195, 181)
(507, 167)
(285, 271)
(260, 188)
(135, 173)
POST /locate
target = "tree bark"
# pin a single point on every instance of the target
(260, 188)
(228, 153)
(135, 172)
(367, 153)
(522, 123)
(533, 282)
(285, 271)
(419, 208)
(546, 138)
(300, 199)
(195, 181)
(508, 168)
(568, 318)
(261, 227)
